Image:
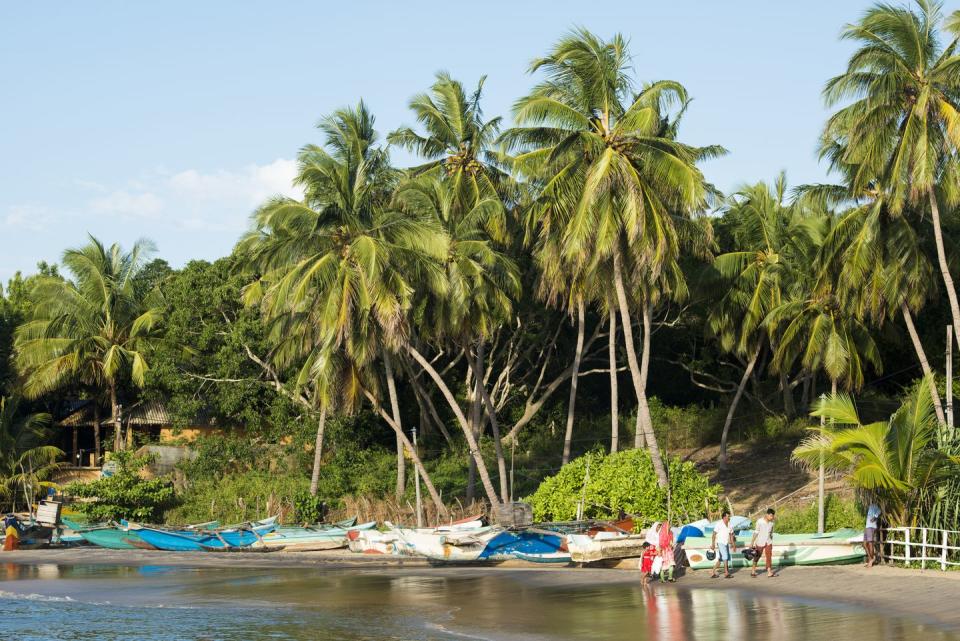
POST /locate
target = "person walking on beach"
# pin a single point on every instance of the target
(646, 562)
(762, 543)
(723, 543)
(870, 534)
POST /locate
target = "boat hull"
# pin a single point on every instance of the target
(586, 549)
(307, 539)
(115, 539)
(833, 548)
(197, 542)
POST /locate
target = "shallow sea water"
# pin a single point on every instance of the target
(44, 602)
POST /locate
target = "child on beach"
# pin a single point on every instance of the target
(646, 562)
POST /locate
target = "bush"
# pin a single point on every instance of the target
(685, 427)
(778, 428)
(623, 481)
(840, 513)
(238, 497)
(125, 495)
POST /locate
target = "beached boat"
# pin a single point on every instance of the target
(182, 541)
(537, 546)
(329, 537)
(372, 541)
(831, 548)
(115, 538)
(451, 546)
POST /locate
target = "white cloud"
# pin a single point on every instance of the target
(29, 217)
(251, 184)
(128, 204)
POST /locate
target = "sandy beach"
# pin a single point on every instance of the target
(929, 596)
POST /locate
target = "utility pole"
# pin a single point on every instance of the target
(416, 483)
(949, 375)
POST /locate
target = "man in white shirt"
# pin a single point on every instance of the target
(723, 542)
(870, 534)
(762, 542)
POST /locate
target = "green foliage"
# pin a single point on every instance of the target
(841, 512)
(624, 481)
(685, 427)
(125, 495)
(777, 427)
(237, 497)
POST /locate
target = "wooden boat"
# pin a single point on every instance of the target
(372, 541)
(302, 539)
(451, 546)
(589, 549)
(535, 545)
(831, 548)
(115, 538)
(181, 541)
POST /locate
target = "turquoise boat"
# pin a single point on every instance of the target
(200, 540)
(115, 538)
(318, 537)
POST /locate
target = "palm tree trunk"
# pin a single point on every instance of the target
(789, 408)
(572, 403)
(318, 452)
(115, 415)
(474, 398)
(944, 267)
(924, 364)
(614, 401)
(478, 373)
(395, 409)
(96, 432)
(643, 408)
(722, 459)
(467, 432)
(635, 372)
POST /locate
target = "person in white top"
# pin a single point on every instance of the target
(723, 542)
(870, 534)
(762, 542)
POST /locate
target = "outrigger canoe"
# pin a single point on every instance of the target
(311, 538)
(831, 548)
(224, 539)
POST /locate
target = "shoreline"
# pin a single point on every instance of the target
(927, 596)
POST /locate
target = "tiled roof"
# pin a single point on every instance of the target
(142, 413)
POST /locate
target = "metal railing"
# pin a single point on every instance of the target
(923, 545)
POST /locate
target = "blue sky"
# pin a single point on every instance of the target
(172, 120)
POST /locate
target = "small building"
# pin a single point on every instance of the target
(149, 418)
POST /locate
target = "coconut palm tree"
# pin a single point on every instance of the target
(25, 463)
(772, 237)
(332, 267)
(818, 331)
(897, 460)
(612, 176)
(97, 326)
(900, 125)
(481, 281)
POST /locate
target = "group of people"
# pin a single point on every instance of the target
(660, 551)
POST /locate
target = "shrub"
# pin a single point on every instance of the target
(840, 513)
(125, 495)
(623, 481)
(238, 497)
(685, 427)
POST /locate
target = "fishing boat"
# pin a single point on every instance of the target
(122, 536)
(219, 539)
(321, 537)
(831, 548)
(534, 545)
(372, 541)
(450, 546)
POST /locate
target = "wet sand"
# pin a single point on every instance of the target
(930, 595)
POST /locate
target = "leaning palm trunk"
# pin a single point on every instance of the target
(614, 401)
(643, 408)
(944, 267)
(722, 459)
(318, 452)
(96, 432)
(414, 456)
(475, 453)
(572, 403)
(635, 372)
(924, 364)
(478, 374)
(395, 409)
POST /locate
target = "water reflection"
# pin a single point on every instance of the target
(438, 604)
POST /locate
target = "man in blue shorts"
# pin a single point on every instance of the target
(724, 543)
(870, 534)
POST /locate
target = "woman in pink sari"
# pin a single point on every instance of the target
(665, 547)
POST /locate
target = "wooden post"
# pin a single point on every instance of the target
(923, 549)
(943, 553)
(949, 375)
(906, 546)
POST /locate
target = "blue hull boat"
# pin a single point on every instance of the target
(527, 545)
(201, 541)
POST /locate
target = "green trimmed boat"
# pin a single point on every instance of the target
(830, 548)
(115, 538)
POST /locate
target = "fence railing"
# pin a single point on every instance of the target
(923, 545)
